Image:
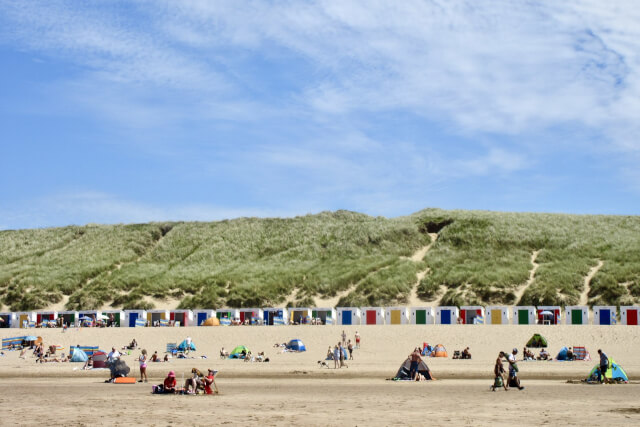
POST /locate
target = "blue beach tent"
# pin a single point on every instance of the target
(79, 356)
(296, 345)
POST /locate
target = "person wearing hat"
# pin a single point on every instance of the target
(169, 384)
(208, 380)
(513, 381)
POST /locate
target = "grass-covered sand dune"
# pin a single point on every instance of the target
(354, 259)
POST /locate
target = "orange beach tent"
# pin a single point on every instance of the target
(440, 351)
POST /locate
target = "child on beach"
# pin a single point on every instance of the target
(143, 366)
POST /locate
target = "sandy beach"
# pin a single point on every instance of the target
(292, 388)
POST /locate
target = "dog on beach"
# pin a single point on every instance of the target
(322, 364)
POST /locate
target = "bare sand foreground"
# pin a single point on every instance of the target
(293, 389)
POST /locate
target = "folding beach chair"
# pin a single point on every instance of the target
(172, 348)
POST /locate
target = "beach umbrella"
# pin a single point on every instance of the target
(546, 313)
(30, 338)
(86, 318)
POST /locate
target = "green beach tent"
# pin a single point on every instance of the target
(537, 341)
(237, 352)
(615, 372)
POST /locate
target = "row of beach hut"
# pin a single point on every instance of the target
(495, 315)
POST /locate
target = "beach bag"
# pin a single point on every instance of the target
(498, 382)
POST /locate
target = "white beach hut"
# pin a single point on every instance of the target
(135, 318)
(348, 315)
(497, 315)
(372, 315)
(422, 316)
(300, 316)
(605, 315)
(396, 315)
(181, 317)
(324, 315)
(629, 315)
(472, 314)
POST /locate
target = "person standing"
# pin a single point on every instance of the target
(513, 370)
(604, 366)
(336, 357)
(498, 370)
(342, 352)
(113, 355)
(143, 366)
(350, 348)
(357, 340)
(415, 361)
(344, 338)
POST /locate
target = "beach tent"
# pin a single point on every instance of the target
(615, 372)
(604, 315)
(562, 354)
(211, 321)
(629, 315)
(576, 315)
(78, 355)
(184, 346)
(237, 352)
(422, 316)
(119, 368)
(537, 341)
(296, 345)
(99, 359)
(403, 372)
(439, 351)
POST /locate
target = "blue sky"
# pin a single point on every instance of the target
(136, 111)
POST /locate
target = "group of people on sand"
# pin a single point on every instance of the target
(512, 381)
(198, 382)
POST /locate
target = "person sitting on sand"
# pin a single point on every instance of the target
(166, 358)
(544, 355)
(570, 355)
(169, 384)
(154, 356)
(466, 354)
(88, 364)
(208, 380)
(192, 384)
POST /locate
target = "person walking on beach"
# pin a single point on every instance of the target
(498, 370)
(604, 365)
(341, 349)
(336, 357)
(357, 340)
(143, 366)
(350, 348)
(344, 338)
(513, 370)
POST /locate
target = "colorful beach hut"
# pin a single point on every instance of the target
(524, 315)
(155, 316)
(300, 316)
(497, 315)
(629, 315)
(25, 319)
(548, 314)
(251, 316)
(46, 316)
(181, 317)
(447, 315)
(202, 314)
(227, 315)
(69, 317)
(117, 315)
(422, 316)
(348, 315)
(133, 316)
(372, 315)
(324, 316)
(396, 315)
(605, 315)
(472, 314)
(94, 315)
(275, 316)
(8, 319)
(576, 315)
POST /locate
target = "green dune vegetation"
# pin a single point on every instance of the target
(477, 258)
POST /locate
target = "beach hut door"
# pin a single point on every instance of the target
(346, 318)
(632, 317)
(496, 317)
(201, 318)
(132, 319)
(605, 317)
(371, 317)
(445, 317)
(523, 317)
(576, 317)
(421, 317)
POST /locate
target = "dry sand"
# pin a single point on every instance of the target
(292, 388)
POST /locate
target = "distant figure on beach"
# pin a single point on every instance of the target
(466, 354)
(336, 357)
(344, 338)
(604, 365)
(169, 384)
(113, 355)
(415, 361)
(154, 356)
(498, 371)
(357, 340)
(143, 366)
(341, 350)
(350, 348)
(544, 355)
(514, 381)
